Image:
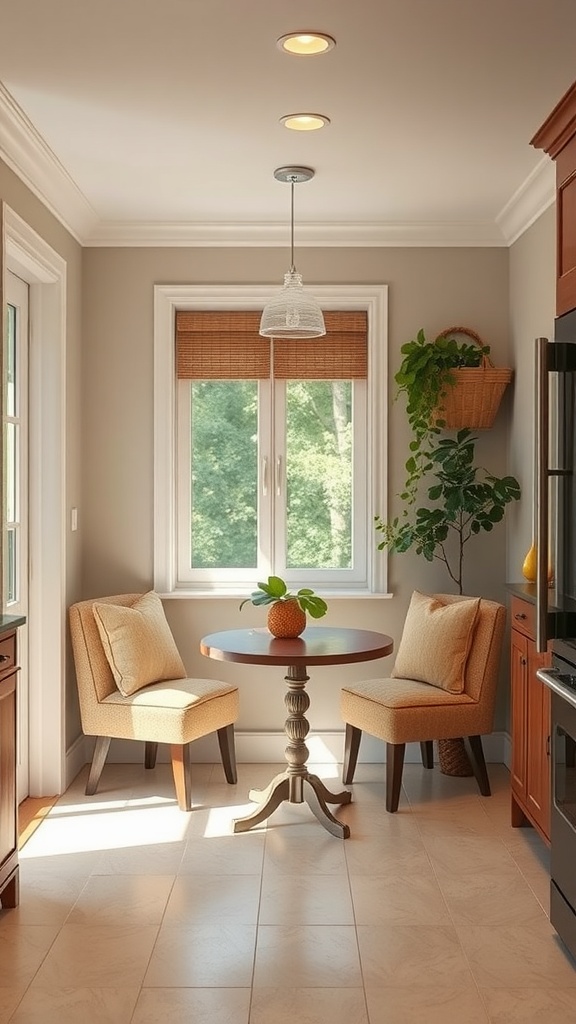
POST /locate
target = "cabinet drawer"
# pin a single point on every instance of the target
(7, 652)
(523, 616)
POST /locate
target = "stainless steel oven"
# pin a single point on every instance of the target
(555, 517)
(561, 679)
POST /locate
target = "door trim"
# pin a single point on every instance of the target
(29, 256)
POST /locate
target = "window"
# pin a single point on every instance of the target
(16, 441)
(276, 445)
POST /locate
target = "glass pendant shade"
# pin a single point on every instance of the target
(292, 313)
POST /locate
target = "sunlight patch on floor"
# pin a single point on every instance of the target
(74, 828)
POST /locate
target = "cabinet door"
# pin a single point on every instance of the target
(8, 810)
(518, 675)
(566, 228)
(538, 746)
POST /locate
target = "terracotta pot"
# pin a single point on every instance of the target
(286, 619)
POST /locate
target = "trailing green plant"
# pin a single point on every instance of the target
(424, 376)
(276, 590)
(463, 500)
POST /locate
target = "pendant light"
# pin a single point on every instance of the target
(292, 313)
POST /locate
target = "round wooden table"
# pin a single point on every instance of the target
(318, 645)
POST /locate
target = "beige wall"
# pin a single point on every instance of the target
(429, 288)
(31, 210)
(507, 296)
(532, 306)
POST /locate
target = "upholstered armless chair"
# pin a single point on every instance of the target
(442, 686)
(120, 644)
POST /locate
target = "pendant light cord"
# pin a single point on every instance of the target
(292, 267)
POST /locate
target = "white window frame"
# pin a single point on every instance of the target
(167, 299)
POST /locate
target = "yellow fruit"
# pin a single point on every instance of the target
(286, 619)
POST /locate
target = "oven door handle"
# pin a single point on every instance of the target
(548, 676)
(551, 678)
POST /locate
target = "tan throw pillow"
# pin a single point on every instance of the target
(138, 643)
(436, 641)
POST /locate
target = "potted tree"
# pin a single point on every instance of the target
(287, 612)
(463, 500)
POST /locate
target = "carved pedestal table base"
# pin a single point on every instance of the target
(296, 784)
(318, 645)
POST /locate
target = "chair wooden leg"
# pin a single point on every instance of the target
(180, 755)
(98, 761)
(427, 751)
(351, 748)
(475, 752)
(150, 751)
(228, 753)
(394, 766)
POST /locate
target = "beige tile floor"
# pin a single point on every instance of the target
(133, 912)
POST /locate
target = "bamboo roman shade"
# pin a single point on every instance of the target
(226, 345)
(220, 345)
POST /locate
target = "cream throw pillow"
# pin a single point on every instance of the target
(436, 641)
(138, 643)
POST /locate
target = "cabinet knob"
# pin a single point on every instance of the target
(4, 657)
(523, 661)
(520, 615)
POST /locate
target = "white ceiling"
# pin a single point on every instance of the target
(157, 121)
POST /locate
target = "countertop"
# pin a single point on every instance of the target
(527, 591)
(8, 622)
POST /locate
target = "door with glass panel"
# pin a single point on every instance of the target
(16, 496)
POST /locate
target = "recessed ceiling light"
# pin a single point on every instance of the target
(306, 44)
(304, 122)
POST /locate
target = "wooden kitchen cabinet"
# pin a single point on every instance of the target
(530, 724)
(557, 137)
(8, 801)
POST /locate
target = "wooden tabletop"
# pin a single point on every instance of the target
(318, 645)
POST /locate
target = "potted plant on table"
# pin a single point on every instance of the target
(287, 612)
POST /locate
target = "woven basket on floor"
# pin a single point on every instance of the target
(474, 398)
(453, 758)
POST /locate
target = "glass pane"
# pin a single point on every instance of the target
(11, 566)
(11, 363)
(565, 774)
(319, 474)
(224, 499)
(11, 464)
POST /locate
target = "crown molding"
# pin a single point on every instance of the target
(26, 153)
(343, 235)
(529, 202)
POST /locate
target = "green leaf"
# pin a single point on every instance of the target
(314, 605)
(276, 587)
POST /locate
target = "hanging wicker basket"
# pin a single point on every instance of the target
(474, 398)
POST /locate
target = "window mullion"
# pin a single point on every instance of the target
(279, 447)
(266, 477)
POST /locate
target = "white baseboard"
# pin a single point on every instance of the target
(268, 747)
(79, 754)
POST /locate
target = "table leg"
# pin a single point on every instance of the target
(318, 805)
(275, 794)
(296, 784)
